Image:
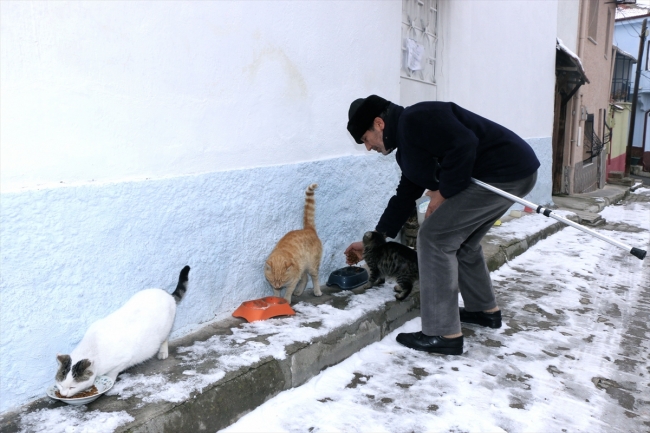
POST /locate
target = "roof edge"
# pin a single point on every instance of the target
(576, 60)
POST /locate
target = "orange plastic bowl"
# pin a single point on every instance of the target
(264, 308)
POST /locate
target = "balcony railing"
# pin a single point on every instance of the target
(621, 91)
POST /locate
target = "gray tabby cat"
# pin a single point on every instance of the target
(390, 259)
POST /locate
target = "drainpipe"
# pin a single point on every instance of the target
(577, 102)
(645, 131)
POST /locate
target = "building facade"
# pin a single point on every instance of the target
(627, 37)
(140, 137)
(619, 110)
(584, 67)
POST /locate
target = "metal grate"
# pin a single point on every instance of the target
(420, 34)
(593, 146)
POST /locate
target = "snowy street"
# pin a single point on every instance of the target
(573, 353)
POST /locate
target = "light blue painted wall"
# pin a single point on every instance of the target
(72, 255)
(626, 37)
(542, 193)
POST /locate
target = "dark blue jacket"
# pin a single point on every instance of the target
(464, 145)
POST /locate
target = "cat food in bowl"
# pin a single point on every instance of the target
(348, 278)
(83, 394)
(264, 308)
(352, 258)
(101, 385)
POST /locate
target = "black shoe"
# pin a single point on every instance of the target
(491, 320)
(442, 345)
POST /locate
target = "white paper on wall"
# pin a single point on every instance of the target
(414, 53)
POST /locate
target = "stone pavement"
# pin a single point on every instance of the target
(228, 368)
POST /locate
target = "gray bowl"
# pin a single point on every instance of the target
(348, 278)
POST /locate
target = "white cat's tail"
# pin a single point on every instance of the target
(181, 288)
(310, 207)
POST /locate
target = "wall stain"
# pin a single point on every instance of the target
(297, 88)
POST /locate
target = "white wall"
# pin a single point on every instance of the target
(110, 91)
(626, 37)
(497, 59)
(183, 133)
(568, 19)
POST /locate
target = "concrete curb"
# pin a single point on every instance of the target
(238, 392)
(496, 255)
(225, 402)
(594, 201)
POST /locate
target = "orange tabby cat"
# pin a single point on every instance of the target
(296, 256)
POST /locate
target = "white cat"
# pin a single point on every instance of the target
(126, 337)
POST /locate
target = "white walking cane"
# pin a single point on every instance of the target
(636, 252)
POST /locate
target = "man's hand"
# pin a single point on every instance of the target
(436, 201)
(355, 250)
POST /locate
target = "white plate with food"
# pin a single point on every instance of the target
(100, 386)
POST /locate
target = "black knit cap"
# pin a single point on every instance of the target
(362, 113)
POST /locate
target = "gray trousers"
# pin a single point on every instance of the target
(450, 256)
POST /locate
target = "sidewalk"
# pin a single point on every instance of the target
(572, 355)
(229, 368)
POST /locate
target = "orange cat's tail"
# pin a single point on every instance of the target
(310, 207)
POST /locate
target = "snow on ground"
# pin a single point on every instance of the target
(536, 373)
(153, 388)
(387, 387)
(527, 225)
(230, 352)
(74, 419)
(243, 347)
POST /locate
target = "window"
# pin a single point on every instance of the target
(593, 20)
(419, 40)
(621, 78)
(647, 51)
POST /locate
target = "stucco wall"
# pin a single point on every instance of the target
(73, 255)
(620, 130)
(568, 17)
(133, 90)
(498, 60)
(543, 190)
(138, 137)
(490, 64)
(626, 37)
(596, 56)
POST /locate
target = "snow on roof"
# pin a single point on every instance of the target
(625, 53)
(560, 46)
(631, 11)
